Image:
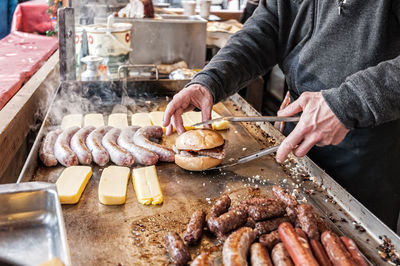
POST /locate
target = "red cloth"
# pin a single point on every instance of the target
(21, 55)
(32, 17)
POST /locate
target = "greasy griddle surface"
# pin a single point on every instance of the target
(133, 234)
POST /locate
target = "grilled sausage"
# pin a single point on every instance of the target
(297, 247)
(234, 251)
(335, 249)
(195, 227)
(143, 138)
(46, 152)
(78, 145)
(270, 210)
(250, 223)
(177, 250)
(319, 253)
(140, 154)
(306, 216)
(118, 155)
(259, 255)
(93, 142)
(221, 206)
(281, 194)
(270, 240)
(280, 256)
(227, 222)
(268, 226)
(258, 201)
(354, 251)
(204, 259)
(62, 150)
(321, 224)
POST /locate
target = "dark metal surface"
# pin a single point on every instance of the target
(66, 36)
(133, 234)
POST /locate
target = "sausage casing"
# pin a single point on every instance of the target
(319, 253)
(176, 248)
(62, 149)
(46, 152)
(280, 256)
(234, 251)
(204, 259)
(118, 155)
(268, 226)
(270, 240)
(270, 210)
(308, 223)
(228, 221)
(94, 143)
(195, 227)
(78, 145)
(259, 255)
(335, 249)
(354, 251)
(221, 206)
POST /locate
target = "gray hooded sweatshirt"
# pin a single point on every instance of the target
(352, 57)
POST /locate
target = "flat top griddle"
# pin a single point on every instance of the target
(133, 234)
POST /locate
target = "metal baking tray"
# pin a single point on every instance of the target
(31, 224)
(133, 234)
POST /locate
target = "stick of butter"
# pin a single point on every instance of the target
(72, 182)
(113, 185)
(71, 121)
(141, 119)
(157, 118)
(118, 120)
(220, 125)
(191, 118)
(147, 186)
(95, 120)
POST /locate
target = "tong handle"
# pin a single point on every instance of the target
(262, 118)
(259, 154)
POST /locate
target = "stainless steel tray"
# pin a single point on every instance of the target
(133, 234)
(31, 224)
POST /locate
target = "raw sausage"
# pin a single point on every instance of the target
(306, 216)
(93, 142)
(140, 154)
(118, 155)
(46, 152)
(259, 255)
(62, 150)
(177, 250)
(78, 145)
(234, 252)
(143, 138)
(335, 249)
(297, 247)
(195, 227)
(354, 251)
(319, 253)
(221, 206)
(280, 256)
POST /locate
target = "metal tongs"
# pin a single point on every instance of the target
(250, 119)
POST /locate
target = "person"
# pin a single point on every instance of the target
(342, 67)
(248, 10)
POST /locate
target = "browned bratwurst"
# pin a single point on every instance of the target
(280, 256)
(204, 259)
(228, 221)
(221, 206)
(234, 252)
(143, 138)
(259, 255)
(267, 226)
(195, 227)
(270, 240)
(289, 200)
(263, 212)
(177, 250)
(306, 216)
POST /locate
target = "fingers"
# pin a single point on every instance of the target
(206, 114)
(293, 108)
(169, 130)
(305, 147)
(289, 144)
(176, 103)
(177, 121)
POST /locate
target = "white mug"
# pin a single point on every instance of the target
(189, 8)
(205, 6)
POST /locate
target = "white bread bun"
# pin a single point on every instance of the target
(197, 163)
(199, 139)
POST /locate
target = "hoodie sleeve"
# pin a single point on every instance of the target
(248, 53)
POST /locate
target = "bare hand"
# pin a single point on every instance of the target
(318, 125)
(186, 100)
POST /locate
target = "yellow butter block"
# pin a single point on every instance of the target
(72, 182)
(220, 125)
(113, 185)
(53, 262)
(156, 118)
(141, 119)
(71, 121)
(95, 120)
(118, 120)
(147, 186)
(193, 117)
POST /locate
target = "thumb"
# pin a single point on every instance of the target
(292, 109)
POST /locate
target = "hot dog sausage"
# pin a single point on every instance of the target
(221, 206)
(259, 255)
(195, 227)
(335, 249)
(319, 253)
(297, 247)
(62, 150)
(308, 223)
(140, 154)
(234, 251)
(78, 145)
(93, 142)
(177, 250)
(143, 138)
(354, 251)
(280, 256)
(118, 155)
(46, 152)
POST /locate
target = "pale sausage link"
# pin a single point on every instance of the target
(46, 152)
(62, 150)
(118, 155)
(280, 256)
(259, 255)
(78, 145)
(234, 251)
(93, 142)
